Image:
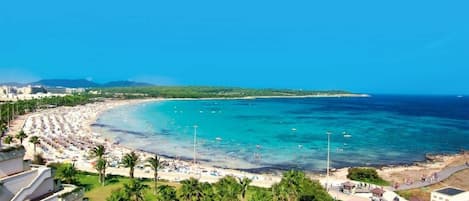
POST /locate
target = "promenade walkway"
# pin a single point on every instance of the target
(442, 175)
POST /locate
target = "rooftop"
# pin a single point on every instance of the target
(450, 191)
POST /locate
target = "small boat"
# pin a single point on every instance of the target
(218, 139)
(459, 96)
(346, 135)
(293, 129)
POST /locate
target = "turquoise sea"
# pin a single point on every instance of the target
(282, 133)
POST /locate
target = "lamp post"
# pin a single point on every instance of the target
(195, 143)
(328, 157)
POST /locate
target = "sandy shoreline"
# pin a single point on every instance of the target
(67, 136)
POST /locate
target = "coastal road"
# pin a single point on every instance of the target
(442, 175)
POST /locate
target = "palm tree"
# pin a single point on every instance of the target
(279, 192)
(20, 136)
(190, 190)
(67, 172)
(291, 187)
(261, 195)
(35, 141)
(8, 139)
(3, 129)
(244, 186)
(155, 163)
(101, 168)
(134, 190)
(99, 152)
(118, 195)
(207, 191)
(130, 161)
(227, 189)
(167, 193)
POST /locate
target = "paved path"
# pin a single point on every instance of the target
(442, 175)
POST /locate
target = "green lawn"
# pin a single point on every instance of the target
(96, 192)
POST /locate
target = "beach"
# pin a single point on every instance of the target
(66, 136)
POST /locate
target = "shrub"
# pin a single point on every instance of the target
(39, 160)
(368, 175)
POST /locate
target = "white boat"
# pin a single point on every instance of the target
(218, 139)
(293, 129)
(346, 135)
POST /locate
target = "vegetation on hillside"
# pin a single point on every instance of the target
(205, 92)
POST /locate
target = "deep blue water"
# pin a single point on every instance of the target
(286, 133)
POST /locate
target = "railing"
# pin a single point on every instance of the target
(43, 174)
(68, 193)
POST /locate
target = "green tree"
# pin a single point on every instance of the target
(190, 190)
(366, 175)
(260, 195)
(100, 166)
(244, 186)
(207, 191)
(166, 193)
(227, 189)
(314, 191)
(134, 190)
(35, 141)
(21, 136)
(67, 173)
(118, 195)
(290, 185)
(8, 139)
(99, 152)
(296, 186)
(155, 163)
(130, 161)
(3, 129)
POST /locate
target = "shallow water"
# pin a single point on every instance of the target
(291, 133)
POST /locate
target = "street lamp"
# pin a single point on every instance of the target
(195, 143)
(328, 157)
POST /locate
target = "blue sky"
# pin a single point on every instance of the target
(362, 46)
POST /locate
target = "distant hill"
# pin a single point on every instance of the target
(79, 83)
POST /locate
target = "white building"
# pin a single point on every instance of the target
(21, 181)
(450, 194)
(12, 93)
